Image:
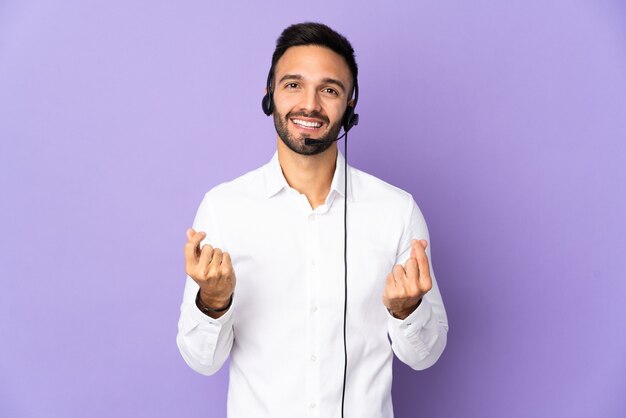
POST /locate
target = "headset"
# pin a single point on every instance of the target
(348, 120)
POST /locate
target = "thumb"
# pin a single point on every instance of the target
(190, 233)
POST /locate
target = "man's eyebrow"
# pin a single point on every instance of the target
(290, 77)
(326, 80)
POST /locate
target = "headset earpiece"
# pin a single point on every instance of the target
(350, 118)
(267, 104)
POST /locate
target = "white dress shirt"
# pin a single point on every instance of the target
(284, 329)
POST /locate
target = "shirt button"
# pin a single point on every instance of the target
(314, 309)
(312, 405)
(313, 262)
(313, 358)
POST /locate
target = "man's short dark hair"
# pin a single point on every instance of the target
(310, 33)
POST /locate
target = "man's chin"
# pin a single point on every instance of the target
(298, 146)
(295, 141)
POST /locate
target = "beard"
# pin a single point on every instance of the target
(297, 145)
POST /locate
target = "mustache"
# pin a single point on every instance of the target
(313, 115)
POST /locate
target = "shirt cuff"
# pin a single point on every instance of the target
(416, 320)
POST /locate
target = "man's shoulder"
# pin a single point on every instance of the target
(369, 187)
(249, 184)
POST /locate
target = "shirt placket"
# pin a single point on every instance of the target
(313, 280)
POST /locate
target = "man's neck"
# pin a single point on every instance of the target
(310, 175)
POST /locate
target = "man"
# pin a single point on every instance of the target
(265, 260)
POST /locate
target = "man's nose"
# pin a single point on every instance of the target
(311, 101)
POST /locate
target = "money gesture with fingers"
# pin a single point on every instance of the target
(211, 268)
(406, 284)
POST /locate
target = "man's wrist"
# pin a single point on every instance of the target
(403, 314)
(211, 309)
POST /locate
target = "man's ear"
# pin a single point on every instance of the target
(351, 102)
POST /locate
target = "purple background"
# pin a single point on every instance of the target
(505, 120)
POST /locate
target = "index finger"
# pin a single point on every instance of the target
(418, 248)
(191, 247)
(417, 244)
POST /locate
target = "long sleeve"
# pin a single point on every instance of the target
(203, 342)
(419, 339)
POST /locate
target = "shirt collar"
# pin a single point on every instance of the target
(275, 180)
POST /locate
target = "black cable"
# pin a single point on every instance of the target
(345, 266)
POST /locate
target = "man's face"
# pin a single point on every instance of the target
(312, 85)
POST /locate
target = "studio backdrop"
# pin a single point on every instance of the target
(505, 120)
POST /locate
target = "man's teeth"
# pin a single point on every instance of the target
(306, 124)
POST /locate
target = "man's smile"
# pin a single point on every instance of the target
(307, 124)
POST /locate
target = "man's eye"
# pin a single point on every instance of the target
(331, 91)
(292, 85)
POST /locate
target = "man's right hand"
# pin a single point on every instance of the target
(211, 268)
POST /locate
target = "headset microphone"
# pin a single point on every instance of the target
(313, 141)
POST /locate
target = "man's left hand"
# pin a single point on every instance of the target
(406, 285)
